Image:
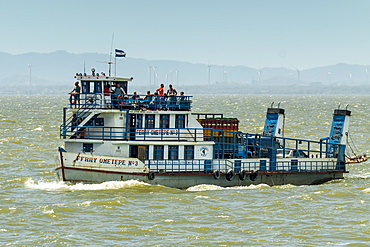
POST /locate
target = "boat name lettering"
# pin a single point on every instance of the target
(119, 162)
(155, 132)
(115, 162)
(86, 159)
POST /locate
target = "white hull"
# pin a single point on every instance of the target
(97, 168)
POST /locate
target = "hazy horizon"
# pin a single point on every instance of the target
(257, 34)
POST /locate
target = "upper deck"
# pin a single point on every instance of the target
(98, 92)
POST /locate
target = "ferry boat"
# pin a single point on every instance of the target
(157, 139)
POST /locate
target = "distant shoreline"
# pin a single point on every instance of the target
(213, 89)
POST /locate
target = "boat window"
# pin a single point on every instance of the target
(143, 152)
(91, 86)
(85, 87)
(164, 122)
(173, 152)
(87, 147)
(98, 87)
(189, 152)
(106, 83)
(180, 121)
(99, 122)
(149, 121)
(158, 152)
(140, 152)
(88, 87)
(139, 121)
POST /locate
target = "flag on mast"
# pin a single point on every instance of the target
(120, 53)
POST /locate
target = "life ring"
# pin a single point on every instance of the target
(242, 175)
(230, 175)
(151, 175)
(216, 174)
(253, 176)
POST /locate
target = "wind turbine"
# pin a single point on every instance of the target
(170, 77)
(259, 72)
(209, 74)
(150, 68)
(224, 72)
(298, 75)
(29, 71)
(329, 75)
(155, 75)
(177, 77)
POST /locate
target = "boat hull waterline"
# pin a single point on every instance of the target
(87, 168)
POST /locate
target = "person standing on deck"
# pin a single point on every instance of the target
(171, 91)
(160, 90)
(119, 93)
(107, 95)
(75, 92)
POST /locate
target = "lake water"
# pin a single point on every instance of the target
(36, 210)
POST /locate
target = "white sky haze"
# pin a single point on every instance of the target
(265, 33)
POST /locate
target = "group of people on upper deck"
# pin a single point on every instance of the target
(118, 98)
(170, 91)
(160, 100)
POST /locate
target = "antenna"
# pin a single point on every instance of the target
(109, 65)
(110, 57)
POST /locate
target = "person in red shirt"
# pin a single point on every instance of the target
(107, 95)
(160, 90)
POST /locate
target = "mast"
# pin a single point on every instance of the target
(110, 58)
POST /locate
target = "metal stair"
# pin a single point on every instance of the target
(85, 113)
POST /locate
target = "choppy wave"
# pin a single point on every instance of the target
(35, 211)
(205, 187)
(62, 186)
(9, 120)
(113, 185)
(364, 175)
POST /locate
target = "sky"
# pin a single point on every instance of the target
(297, 34)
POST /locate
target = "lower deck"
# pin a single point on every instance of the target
(186, 180)
(84, 167)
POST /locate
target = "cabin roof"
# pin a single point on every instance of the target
(101, 78)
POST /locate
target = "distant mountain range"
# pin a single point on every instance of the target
(57, 69)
